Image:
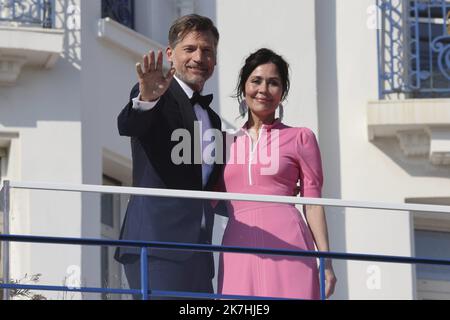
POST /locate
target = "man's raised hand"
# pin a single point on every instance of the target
(152, 82)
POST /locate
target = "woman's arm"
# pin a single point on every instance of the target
(315, 216)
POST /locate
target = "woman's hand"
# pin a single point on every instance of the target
(330, 280)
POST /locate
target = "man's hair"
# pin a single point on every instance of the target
(188, 23)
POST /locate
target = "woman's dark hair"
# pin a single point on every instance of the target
(263, 56)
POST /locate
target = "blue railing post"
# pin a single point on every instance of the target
(5, 201)
(144, 273)
(322, 278)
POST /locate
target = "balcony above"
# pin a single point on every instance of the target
(422, 126)
(26, 37)
(20, 46)
(119, 36)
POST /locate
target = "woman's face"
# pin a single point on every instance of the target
(263, 90)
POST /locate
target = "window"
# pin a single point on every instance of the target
(433, 281)
(413, 42)
(2, 163)
(121, 11)
(111, 206)
(432, 240)
(1, 173)
(2, 155)
(430, 34)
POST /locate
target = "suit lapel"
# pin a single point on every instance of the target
(217, 168)
(215, 120)
(188, 118)
(184, 104)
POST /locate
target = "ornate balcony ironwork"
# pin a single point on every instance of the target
(414, 48)
(28, 12)
(121, 11)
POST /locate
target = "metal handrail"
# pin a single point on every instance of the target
(195, 247)
(228, 196)
(145, 291)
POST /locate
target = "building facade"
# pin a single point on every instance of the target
(369, 77)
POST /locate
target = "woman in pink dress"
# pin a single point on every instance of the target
(268, 157)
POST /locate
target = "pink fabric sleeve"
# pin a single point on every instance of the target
(311, 176)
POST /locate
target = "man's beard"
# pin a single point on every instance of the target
(192, 81)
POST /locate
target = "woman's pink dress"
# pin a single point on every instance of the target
(281, 157)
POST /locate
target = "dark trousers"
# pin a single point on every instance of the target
(192, 275)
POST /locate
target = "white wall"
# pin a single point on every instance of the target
(328, 115)
(286, 27)
(44, 109)
(154, 17)
(359, 169)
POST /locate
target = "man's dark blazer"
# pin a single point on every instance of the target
(159, 218)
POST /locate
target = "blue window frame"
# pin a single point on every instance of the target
(414, 48)
(430, 39)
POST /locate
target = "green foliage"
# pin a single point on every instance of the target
(24, 293)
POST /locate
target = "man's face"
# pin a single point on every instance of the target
(194, 58)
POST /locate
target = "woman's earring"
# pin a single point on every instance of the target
(243, 108)
(281, 111)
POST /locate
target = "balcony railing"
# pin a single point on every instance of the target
(414, 48)
(28, 12)
(147, 292)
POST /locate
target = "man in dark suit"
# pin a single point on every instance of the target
(161, 104)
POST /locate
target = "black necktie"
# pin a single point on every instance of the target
(203, 101)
